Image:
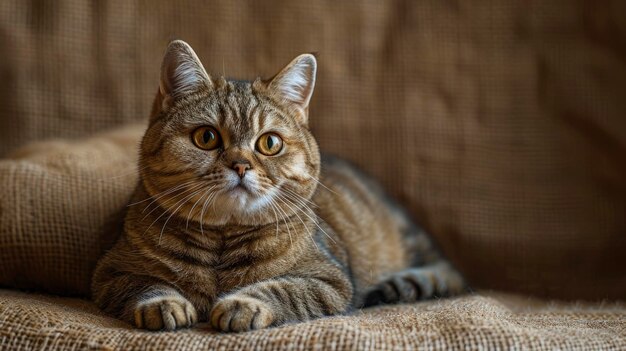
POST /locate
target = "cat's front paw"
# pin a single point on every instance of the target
(241, 313)
(165, 312)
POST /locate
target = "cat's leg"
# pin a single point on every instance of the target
(437, 279)
(430, 274)
(280, 300)
(145, 302)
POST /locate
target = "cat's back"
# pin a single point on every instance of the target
(370, 224)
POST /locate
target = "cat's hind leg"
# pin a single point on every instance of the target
(438, 279)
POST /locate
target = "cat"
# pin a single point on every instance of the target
(238, 220)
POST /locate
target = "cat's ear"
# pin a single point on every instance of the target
(295, 83)
(181, 72)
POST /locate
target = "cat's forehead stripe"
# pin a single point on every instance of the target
(265, 120)
(255, 112)
(211, 114)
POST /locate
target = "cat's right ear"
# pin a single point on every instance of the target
(181, 73)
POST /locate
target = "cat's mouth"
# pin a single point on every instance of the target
(240, 188)
(243, 189)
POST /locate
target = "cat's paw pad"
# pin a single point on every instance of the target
(241, 313)
(165, 313)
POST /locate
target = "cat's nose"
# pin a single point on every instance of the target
(241, 166)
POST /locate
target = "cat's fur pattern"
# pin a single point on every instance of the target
(197, 247)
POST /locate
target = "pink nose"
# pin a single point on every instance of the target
(241, 167)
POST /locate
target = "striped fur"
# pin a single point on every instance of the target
(300, 236)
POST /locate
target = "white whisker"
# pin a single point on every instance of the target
(188, 197)
(193, 187)
(284, 215)
(300, 218)
(311, 218)
(204, 205)
(206, 193)
(275, 215)
(320, 183)
(161, 194)
(300, 200)
(299, 196)
(165, 211)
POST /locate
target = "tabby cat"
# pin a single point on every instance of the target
(239, 221)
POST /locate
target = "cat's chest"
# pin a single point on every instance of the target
(219, 269)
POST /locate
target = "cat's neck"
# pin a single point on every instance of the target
(157, 222)
(223, 246)
(167, 209)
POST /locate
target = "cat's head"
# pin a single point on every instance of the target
(234, 152)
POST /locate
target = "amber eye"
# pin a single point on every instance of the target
(206, 138)
(269, 144)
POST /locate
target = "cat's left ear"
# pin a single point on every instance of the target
(182, 72)
(295, 83)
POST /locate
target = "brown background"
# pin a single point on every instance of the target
(500, 124)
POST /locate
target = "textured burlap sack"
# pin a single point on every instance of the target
(61, 206)
(500, 124)
(30, 322)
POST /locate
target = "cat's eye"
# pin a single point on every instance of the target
(206, 138)
(269, 144)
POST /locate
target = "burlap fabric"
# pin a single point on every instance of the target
(62, 205)
(500, 124)
(467, 323)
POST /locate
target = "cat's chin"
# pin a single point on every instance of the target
(237, 198)
(239, 202)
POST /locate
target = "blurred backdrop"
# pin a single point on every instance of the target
(500, 124)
